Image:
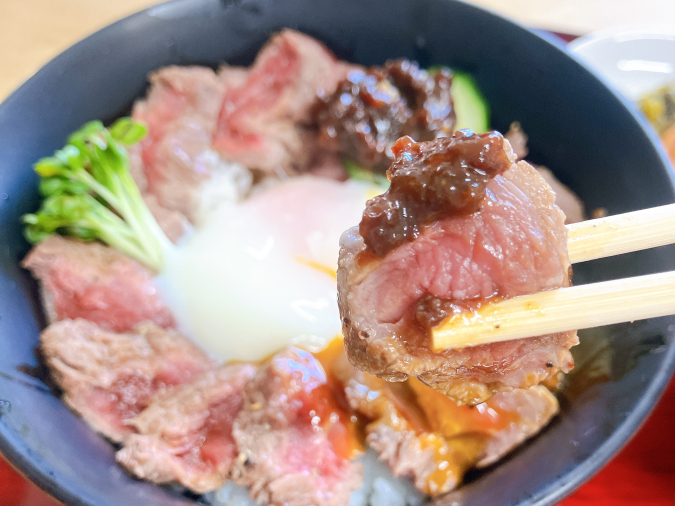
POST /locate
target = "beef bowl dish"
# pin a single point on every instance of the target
(228, 230)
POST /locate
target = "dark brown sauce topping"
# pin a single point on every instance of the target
(431, 181)
(430, 311)
(371, 109)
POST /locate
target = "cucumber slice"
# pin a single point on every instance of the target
(471, 108)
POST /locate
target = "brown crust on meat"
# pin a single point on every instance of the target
(48, 304)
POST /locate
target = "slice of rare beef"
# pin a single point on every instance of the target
(178, 166)
(565, 198)
(95, 282)
(291, 439)
(261, 120)
(206, 130)
(427, 437)
(460, 225)
(532, 409)
(173, 223)
(185, 434)
(109, 378)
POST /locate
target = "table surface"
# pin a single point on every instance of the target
(34, 31)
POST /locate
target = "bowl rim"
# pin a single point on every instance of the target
(31, 465)
(623, 34)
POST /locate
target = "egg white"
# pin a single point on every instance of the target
(260, 275)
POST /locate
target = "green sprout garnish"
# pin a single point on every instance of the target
(90, 194)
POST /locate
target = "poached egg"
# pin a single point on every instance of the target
(260, 275)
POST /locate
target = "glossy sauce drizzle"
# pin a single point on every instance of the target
(326, 406)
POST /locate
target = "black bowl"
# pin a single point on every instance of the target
(592, 140)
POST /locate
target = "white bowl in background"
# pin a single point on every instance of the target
(635, 61)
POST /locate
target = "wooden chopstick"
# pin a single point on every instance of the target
(622, 233)
(584, 306)
(572, 308)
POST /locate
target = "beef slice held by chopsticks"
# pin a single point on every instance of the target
(461, 225)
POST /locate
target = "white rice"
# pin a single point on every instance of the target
(230, 182)
(380, 488)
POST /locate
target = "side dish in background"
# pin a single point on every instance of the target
(659, 107)
(639, 63)
(187, 259)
